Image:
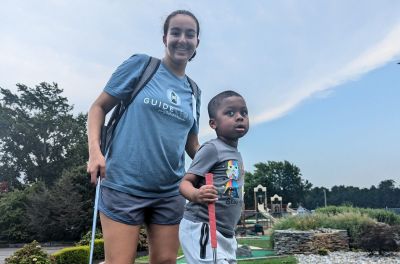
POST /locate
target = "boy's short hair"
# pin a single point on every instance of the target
(215, 102)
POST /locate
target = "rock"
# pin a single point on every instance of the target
(308, 242)
(243, 251)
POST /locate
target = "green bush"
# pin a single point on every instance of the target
(323, 252)
(98, 252)
(75, 255)
(380, 237)
(142, 243)
(30, 254)
(13, 219)
(99, 242)
(85, 240)
(63, 212)
(380, 215)
(354, 223)
(383, 216)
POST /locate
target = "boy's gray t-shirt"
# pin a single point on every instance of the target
(225, 162)
(148, 150)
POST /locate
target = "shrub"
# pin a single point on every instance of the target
(383, 216)
(75, 255)
(380, 237)
(380, 215)
(13, 220)
(323, 252)
(142, 243)
(99, 242)
(98, 252)
(86, 238)
(30, 254)
(354, 223)
(65, 211)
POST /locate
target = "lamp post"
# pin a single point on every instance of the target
(324, 196)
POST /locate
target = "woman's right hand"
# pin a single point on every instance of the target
(96, 167)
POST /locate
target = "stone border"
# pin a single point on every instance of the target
(310, 242)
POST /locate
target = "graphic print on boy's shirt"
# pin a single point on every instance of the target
(233, 173)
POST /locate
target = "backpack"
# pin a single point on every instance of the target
(149, 70)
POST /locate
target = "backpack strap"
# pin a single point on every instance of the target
(146, 75)
(197, 95)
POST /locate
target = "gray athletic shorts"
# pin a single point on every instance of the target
(196, 245)
(134, 210)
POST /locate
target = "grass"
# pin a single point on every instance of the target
(145, 259)
(277, 260)
(261, 243)
(380, 215)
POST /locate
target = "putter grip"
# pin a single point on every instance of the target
(211, 214)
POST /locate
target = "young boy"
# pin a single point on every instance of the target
(229, 118)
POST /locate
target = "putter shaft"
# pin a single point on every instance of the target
(95, 209)
(212, 220)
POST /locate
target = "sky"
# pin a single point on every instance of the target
(321, 78)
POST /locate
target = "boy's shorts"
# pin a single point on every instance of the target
(134, 210)
(194, 234)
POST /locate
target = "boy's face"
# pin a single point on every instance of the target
(231, 121)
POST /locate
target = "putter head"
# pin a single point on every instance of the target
(215, 256)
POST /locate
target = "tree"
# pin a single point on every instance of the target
(13, 220)
(387, 185)
(387, 191)
(65, 211)
(39, 135)
(386, 195)
(282, 178)
(315, 198)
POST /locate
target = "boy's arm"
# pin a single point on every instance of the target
(204, 194)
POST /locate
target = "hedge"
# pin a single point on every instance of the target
(76, 255)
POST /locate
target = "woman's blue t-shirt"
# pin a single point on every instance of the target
(148, 148)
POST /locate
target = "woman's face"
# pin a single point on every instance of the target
(181, 39)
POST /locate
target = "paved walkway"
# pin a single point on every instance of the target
(6, 252)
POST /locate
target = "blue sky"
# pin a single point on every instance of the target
(320, 78)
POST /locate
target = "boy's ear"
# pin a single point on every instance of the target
(212, 123)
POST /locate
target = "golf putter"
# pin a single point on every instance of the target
(96, 201)
(212, 221)
(96, 197)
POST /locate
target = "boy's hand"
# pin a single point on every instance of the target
(205, 194)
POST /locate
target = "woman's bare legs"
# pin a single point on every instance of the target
(163, 243)
(120, 241)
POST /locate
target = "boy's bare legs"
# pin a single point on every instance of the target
(120, 241)
(163, 243)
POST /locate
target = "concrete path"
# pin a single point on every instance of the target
(6, 252)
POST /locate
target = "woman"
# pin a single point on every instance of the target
(143, 171)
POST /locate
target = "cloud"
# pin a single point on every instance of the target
(292, 59)
(386, 50)
(80, 79)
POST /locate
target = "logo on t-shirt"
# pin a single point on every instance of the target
(233, 173)
(172, 109)
(173, 97)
